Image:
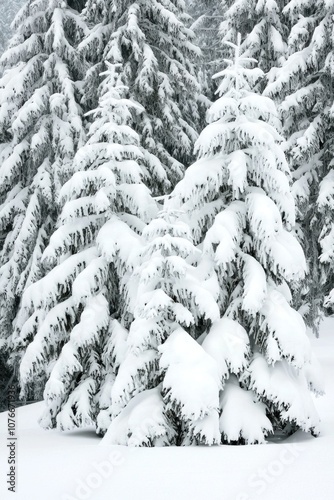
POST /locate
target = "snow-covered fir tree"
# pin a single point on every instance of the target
(65, 316)
(304, 87)
(262, 26)
(40, 130)
(158, 54)
(260, 342)
(166, 387)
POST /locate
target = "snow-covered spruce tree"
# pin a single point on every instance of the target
(40, 130)
(260, 342)
(304, 87)
(262, 27)
(166, 389)
(65, 316)
(158, 55)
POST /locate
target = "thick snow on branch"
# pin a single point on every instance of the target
(228, 343)
(192, 380)
(287, 389)
(243, 416)
(141, 423)
(287, 331)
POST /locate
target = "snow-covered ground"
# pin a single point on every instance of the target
(75, 466)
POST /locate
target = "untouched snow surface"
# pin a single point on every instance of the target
(75, 466)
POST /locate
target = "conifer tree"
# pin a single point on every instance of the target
(158, 56)
(40, 130)
(262, 27)
(304, 88)
(162, 373)
(65, 316)
(260, 342)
